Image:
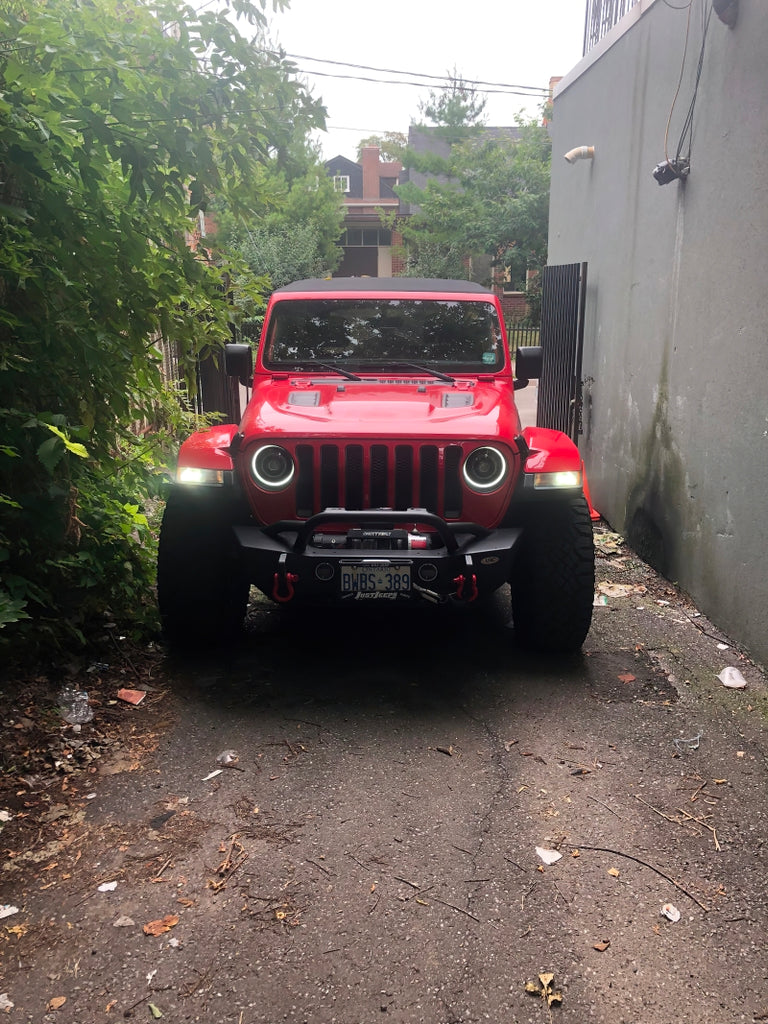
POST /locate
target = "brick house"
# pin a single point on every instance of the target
(367, 188)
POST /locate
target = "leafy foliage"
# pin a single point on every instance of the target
(119, 119)
(297, 237)
(456, 111)
(391, 145)
(488, 196)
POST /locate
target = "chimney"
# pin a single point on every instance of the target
(370, 162)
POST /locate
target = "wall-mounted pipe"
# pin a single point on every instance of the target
(580, 153)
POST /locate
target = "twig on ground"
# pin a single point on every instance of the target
(645, 864)
(605, 806)
(702, 822)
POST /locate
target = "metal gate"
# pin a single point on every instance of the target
(563, 294)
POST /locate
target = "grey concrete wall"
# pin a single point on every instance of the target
(676, 341)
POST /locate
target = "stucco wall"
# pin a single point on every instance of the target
(676, 328)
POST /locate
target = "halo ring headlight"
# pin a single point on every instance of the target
(484, 469)
(272, 467)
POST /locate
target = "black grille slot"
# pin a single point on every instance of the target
(379, 482)
(403, 476)
(428, 478)
(452, 499)
(353, 490)
(329, 476)
(357, 476)
(305, 485)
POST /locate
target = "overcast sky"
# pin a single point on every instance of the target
(509, 42)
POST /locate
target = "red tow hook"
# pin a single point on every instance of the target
(470, 583)
(289, 579)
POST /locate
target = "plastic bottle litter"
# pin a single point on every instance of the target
(689, 744)
(74, 706)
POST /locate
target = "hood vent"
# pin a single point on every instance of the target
(305, 398)
(457, 399)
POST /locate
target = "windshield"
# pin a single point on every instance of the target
(361, 334)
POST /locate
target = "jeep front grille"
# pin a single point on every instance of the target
(400, 476)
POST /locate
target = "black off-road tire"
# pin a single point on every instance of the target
(553, 579)
(201, 591)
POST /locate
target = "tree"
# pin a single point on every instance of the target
(457, 111)
(391, 145)
(489, 195)
(119, 120)
(298, 235)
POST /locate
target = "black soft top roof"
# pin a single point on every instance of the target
(383, 285)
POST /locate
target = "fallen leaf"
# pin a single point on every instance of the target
(719, 782)
(545, 989)
(602, 946)
(155, 1011)
(163, 924)
(56, 1003)
(627, 677)
(110, 1006)
(614, 872)
(575, 853)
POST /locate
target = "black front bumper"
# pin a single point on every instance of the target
(305, 561)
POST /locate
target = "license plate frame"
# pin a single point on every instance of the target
(379, 577)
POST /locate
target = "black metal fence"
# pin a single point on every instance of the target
(601, 16)
(521, 336)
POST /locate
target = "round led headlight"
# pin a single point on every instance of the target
(272, 467)
(484, 469)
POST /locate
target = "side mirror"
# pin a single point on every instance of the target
(238, 362)
(528, 362)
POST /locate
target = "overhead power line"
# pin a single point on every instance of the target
(440, 81)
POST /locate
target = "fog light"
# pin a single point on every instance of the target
(427, 572)
(272, 467)
(570, 478)
(193, 475)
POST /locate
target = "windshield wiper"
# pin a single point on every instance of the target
(334, 369)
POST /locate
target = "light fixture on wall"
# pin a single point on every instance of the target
(580, 153)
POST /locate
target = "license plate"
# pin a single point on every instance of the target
(375, 579)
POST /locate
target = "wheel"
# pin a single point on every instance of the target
(201, 591)
(553, 579)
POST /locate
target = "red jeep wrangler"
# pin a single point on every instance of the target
(380, 458)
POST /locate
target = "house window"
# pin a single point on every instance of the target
(366, 236)
(515, 280)
(341, 182)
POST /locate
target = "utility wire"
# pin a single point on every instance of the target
(448, 83)
(413, 74)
